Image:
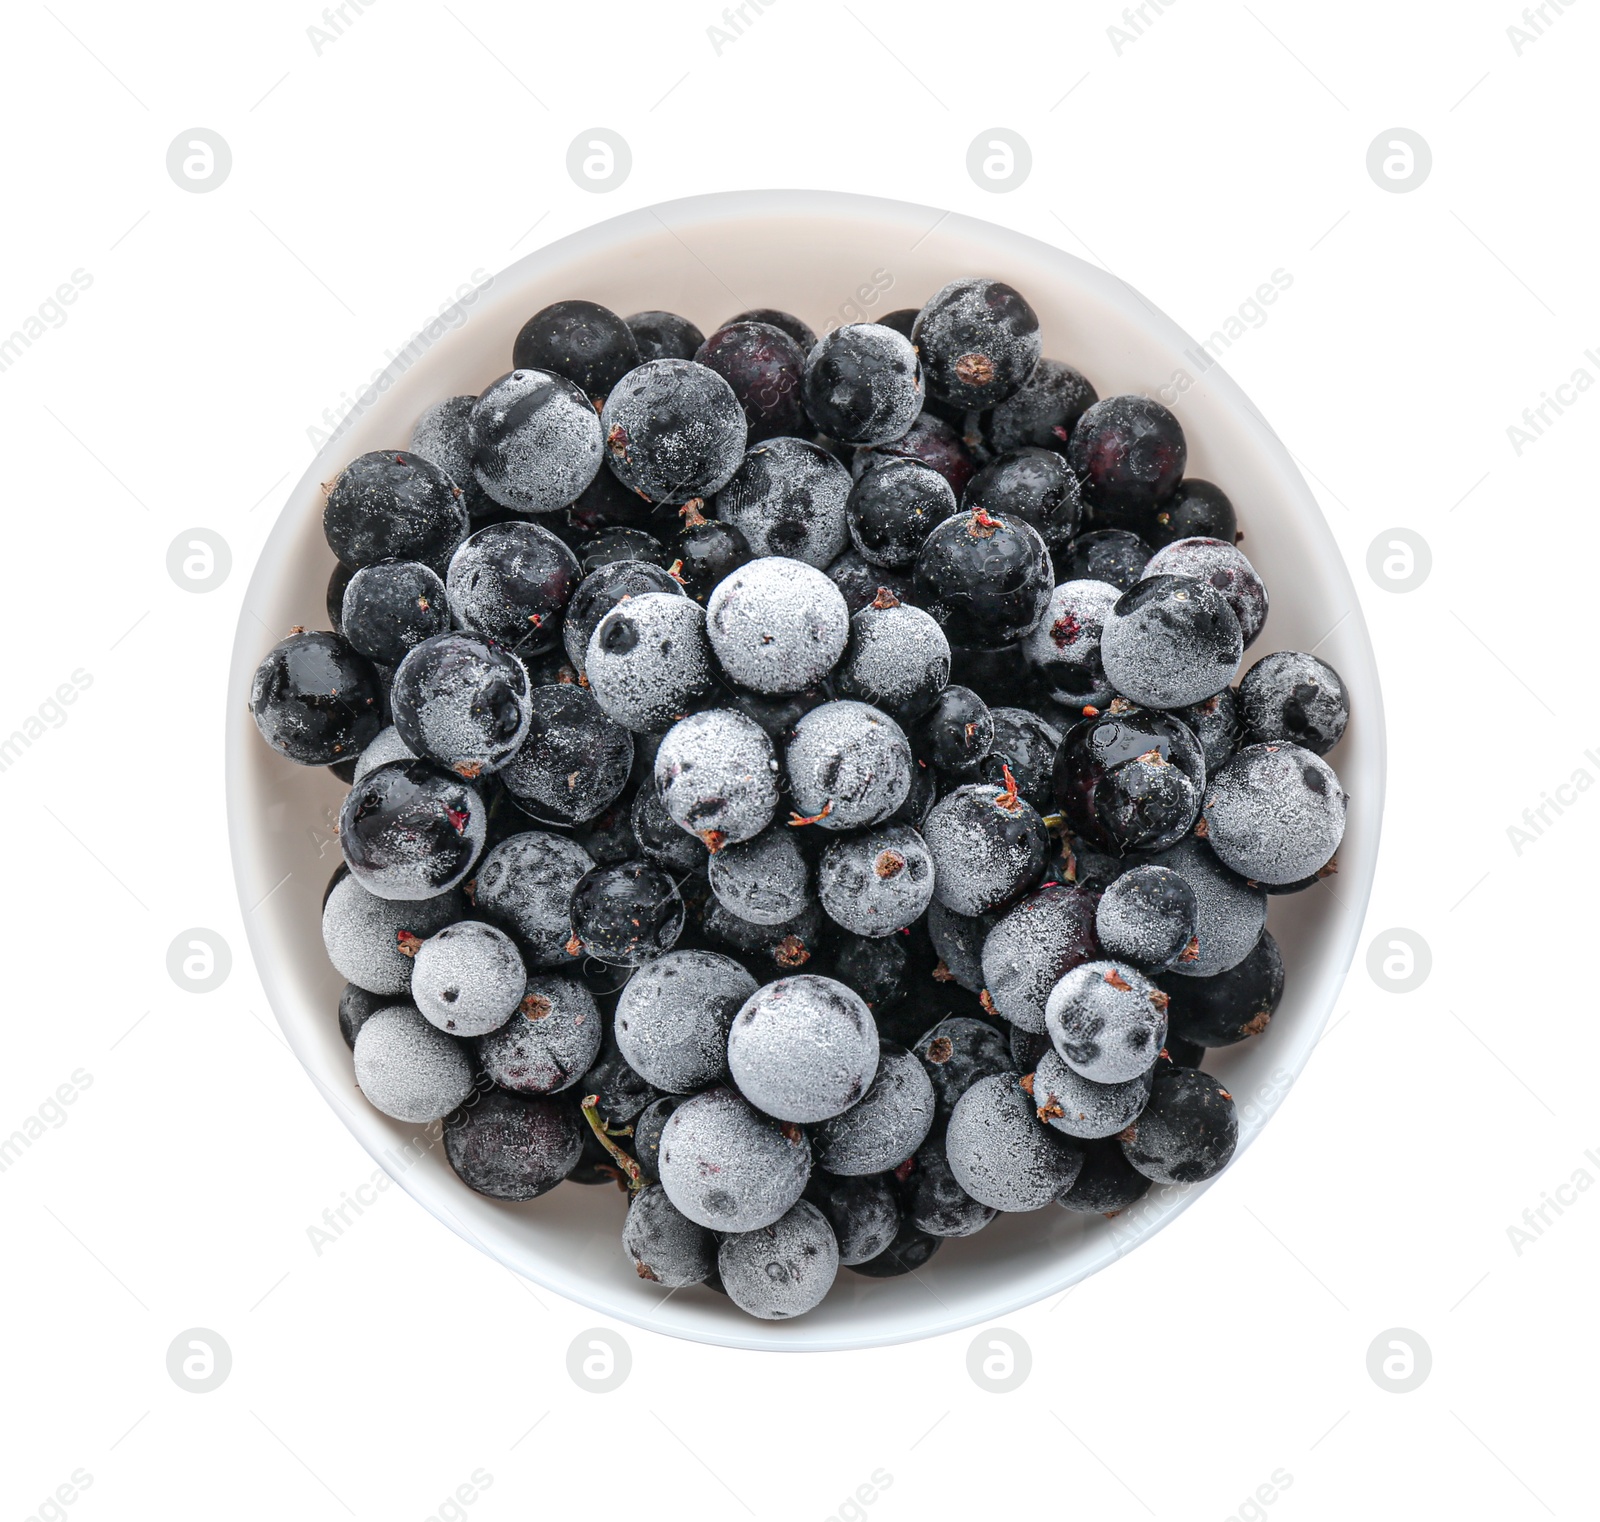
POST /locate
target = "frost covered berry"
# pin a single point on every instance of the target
(1275, 813)
(863, 384)
(898, 659)
(849, 766)
(766, 881)
(718, 777)
(979, 342)
(524, 885)
(1072, 1104)
(1148, 916)
(409, 1069)
(1064, 647)
(514, 1146)
(1187, 1132)
(411, 830)
(727, 1166)
(648, 662)
(673, 1018)
(989, 846)
(1292, 696)
(886, 1125)
(461, 701)
(783, 1269)
(1000, 1152)
(393, 505)
(803, 1048)
(1224, 568)
(667, 1248)
(1107, 1021)
(877, 882)
(777, 625)
(788, 498)
(1032, 947)
(535, 441)
(468, 978)
(315, 700)
(550, 1040)
(1170, 641)
(673, 430)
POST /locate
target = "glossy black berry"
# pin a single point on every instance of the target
(1130, 779)
(462, 701)
(391, 608)
(588, 344)
(979, 343)
(606, 503)
(574, 762)
(1129, 453)
(860, 581)
(338, 579)
(622, 1091)
(411, 830)
(626, 914)
(1111, 554)
(766, 369)
(786, 322)
(1292, 696)
(1195, 509)
(863, 384)
(1026, 745)
(1187, 1132)
(315, 700)
(893, 507)
(1230, 1006)
(957, 733)
(673, 430)
(664, 335)
(510, 583)
(704, 553)
(987, 580)
(930, 440)
(613, 544)
(393, 505)
(1036, 485)
(1041, 415)
(356, 1007)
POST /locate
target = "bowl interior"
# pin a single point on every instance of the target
(829, 258)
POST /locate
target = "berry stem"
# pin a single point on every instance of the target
(631, 1169)
(1008, 798)
(796, 820)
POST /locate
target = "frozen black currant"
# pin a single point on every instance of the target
(898, 659)
(390, 608)
(766, 369)
(1001, 1154)
(863, 1213)
(1295, 697)
(574, 762)
(648, 662)
(620, 1091)
(1187, 1132)
(894, 506)
(1187, 1054)
(613, 544)
(600, 591)
(860, 581)
(1223, 567)
(1148, 917)
(705, 552)
(1067, 1102)
(661, 839)
(582, 341)
(673, 430)
(1231, 911)
(1229, 1006)
(468, 978)
(910, 1250)
(986, 579)
(1196, 508)
(371, 940)
(1031, 948)
(674, 1015)
(803, 1048)
(1041, 415)
(727, 1166)
(863, 384)
(788, 498)
(1130, 779)
(989, 847)
(667, 1248)
(535, 441)
(764, 880)
(510, 582)
(934, 1202)
(1129, 453)
(1110, 554)
(1064, 650)
(408, 1069)
(1107, 1021)
(462, 701)
(392, 505)
(777, 625)
(849, 766)
(315, 700)
(956, 1053)
(718, 777)
(958, 943)
(886, 1126)
(979, 343)
(1107, 1183)
(606, 503)
(930, 440)
(513, 1146)
(1026, 746)
(411, 830)
(879, 968)
(1216, 725)
(877, 882)
(626, 915)
(524, 885)
(771, 950)
(781, 1270)
(1036, 485)
(664, 335)
(785, 322)
(1275, 813)
(957, 733)
(549, 1041)
(1171, 641)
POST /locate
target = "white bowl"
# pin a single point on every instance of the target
(828, 258)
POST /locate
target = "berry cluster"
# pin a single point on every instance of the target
(806, 782)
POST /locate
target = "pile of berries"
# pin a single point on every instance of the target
(805, 781)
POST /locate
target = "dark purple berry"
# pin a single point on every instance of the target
(315, 700)
(664, 335)
(1295, 697)
(393, 505)
(979, 343)
(987, 580)
(512, 1146)
(1229, 1006)
(1187, 1132)
(893, 507)
(626, 915)
(930, 441)
(1111, 554)
(411, 830)
(1036, 485)
(863, 384)
(1129, 453)
(1130, 779)
(587, 344)
(766, 369)
(1041, 415)
(673, 430)
(1197, 509)
(510, 583)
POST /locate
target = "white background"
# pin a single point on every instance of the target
(369, 181)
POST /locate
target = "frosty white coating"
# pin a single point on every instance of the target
(648, 660)
(1032, 947)
(1222, 566)
(386, 746)
(364, 934)
(877, 882)
(673, 1018)
(777, 625)
(667, 1248)
(781, 1270)
(803, 1048)
(1077, 1107)
(1170, 641)
(1001, 1153)
(550, 1041)
(525, 886)
(468, 978)
(1230, 912)
(765, 881)
(1275, 813)
(788, 498)
(535, 441)
(408, 1068)
(1107, 1021)
(1064, 646)
(897, 656)
(729, 1167)
(889, 1122)
(849, 765)
(717, 776)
